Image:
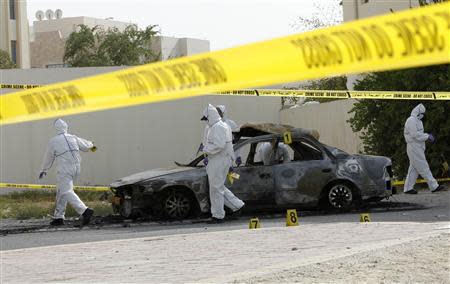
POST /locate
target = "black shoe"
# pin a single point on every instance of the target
(412, 191)
(236, 214)
(439, 188)
(87, 214)
(57, 222)
(215, 221)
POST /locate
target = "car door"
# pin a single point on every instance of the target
(255, 185)
(302, 180)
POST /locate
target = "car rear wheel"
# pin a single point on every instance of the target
(177, 204)
(340, 196)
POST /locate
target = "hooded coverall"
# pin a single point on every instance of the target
(415, 148)
(234, 128)
(64, 149)
(269, 155)
(219, 148)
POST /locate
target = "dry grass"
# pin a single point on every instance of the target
(38, 203)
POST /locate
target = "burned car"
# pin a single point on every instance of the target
(315, 175)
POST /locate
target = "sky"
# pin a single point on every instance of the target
(225, 23)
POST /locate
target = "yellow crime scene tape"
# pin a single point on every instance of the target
(321, 94)
(50, 186)
(330, 94)
(105, 188)
(18, 86)
(402, 182)
(417, 37)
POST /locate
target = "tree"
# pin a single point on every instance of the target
(324, 15)
(430, 2)
(330, 83)
(5, 61)
(381, 122)
(97, 47)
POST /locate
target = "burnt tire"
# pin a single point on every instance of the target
(340, 196)
(177, 204)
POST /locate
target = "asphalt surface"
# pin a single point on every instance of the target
(423, 207)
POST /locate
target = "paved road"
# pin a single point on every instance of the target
(431, 208)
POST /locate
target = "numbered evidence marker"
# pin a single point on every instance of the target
(364, 217)
(291, 218)
(287, 136)
(254, 223)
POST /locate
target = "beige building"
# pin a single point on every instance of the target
(172, 47)
(14, 34)
(360, 9)
(49, 36)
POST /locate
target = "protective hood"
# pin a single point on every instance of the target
(223, 110)
(211, 114)
(60, 126)
(418, 111)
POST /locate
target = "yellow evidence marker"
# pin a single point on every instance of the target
(287, 136)
(254, 223)
(232, 176)
(291, 218)
(364, 217)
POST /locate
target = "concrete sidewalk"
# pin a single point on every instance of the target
(222, 256)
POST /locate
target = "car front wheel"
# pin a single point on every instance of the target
(340, 197)
(177, 204)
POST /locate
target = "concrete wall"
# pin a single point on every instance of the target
(143, 137)
(43, 76)
(130, 139)
(330, 119)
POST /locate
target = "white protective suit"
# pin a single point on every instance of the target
(219, 148)
(64, 149)
(269, 156)
(415, 148)
(233, 125)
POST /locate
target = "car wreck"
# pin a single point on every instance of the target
(315, 175)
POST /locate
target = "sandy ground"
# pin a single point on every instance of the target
(244, 255)
(422, 261)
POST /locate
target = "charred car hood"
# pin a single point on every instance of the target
(142, 176)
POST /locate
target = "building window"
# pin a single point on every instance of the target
(12, 9)
(364, 1)
(14, 51)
